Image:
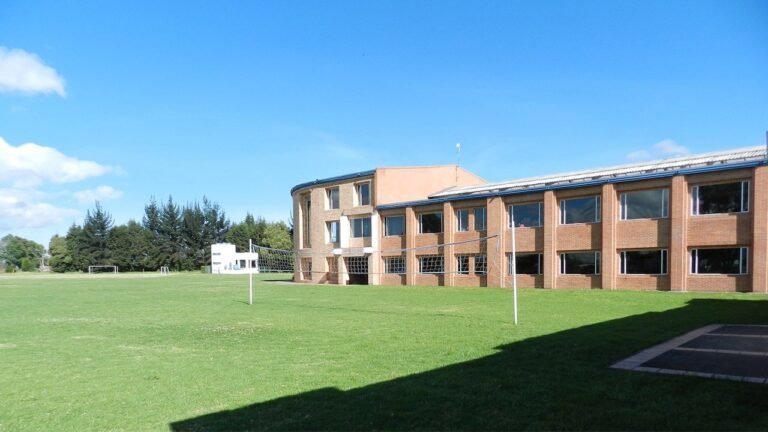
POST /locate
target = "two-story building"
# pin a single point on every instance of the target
(697, 223)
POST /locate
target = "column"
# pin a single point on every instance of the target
(608, 249)
(678, 235)
(551, 221)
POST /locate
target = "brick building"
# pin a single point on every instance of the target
(698, 223)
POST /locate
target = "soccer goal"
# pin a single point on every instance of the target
(93, 269)
(164, 270)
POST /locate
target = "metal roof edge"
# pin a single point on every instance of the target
(333, 179)
(587, 183)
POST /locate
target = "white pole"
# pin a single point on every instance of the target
(250, 273)
(514, 268)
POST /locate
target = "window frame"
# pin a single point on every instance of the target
(480, 258)
(623, 213)
(386, 225)
(421, 222)
(459, 219)
(441, 261)
(693, 269)
(388, 264)
(744, 190)
(564, 209)
(482, 210)
(663, 262)
(511, 214)
(359, 202)
(331, 233)
(597, 258)
(462, 264)
(353, 222)
(329, 198)
(539, 263)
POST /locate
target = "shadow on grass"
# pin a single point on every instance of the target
(557, 381)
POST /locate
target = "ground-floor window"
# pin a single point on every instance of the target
(481, 265)
(525, 263)
(719, 261)
(394, 265)
(430, 264)
(652, 262)
(587, 263)
(462, 264)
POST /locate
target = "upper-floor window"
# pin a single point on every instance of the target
(363, 193)
(587, 263)
(719, 261)
(431, 222)
(580, 210)
(720, 198)
(333, 231)
(361, 227)
(394, 225)
(462, 220)
(525, 263)
(651, 262)
(526, 215)
(480, 219)
(332, 196)
(647, 204)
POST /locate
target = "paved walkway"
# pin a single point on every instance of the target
(733, 352)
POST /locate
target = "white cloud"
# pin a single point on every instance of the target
(18, 209)
(101, 193)
(25, 72)
(664, 149)
(30, 164)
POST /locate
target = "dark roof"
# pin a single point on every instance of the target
(333, 180)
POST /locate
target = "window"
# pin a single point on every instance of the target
(720, 198)
(361, 227)
(462, 220)
(580, 210)
(719, 261)
(333, 231)
(587, 263)
(394, 225)
(647, 204)
(643, 262)
(332, 195)
(363, 193)
(431, 222)
(394, 265)
(480, 219)
(462, 264)
(526, 215)
(526, 263)
(481, 265)
(431, 264)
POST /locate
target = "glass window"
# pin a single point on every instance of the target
(462, 264)
(580, 210)
(646, 204)
(394, 225)
(361, 227)
(526, 215)
(580, 263)
(480, 219)
(462, 220)
(333, 197)
(526, 263)
(481, 265)
(643, 262)
(430, 264)
(333, 231)
(363, 193)
(721, 198)
(394, 265)
(719, 261)
(431, 222)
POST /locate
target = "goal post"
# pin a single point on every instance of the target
(92, 269)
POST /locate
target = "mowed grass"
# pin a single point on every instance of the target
(187, 353)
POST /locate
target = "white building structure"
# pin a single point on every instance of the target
(226, 260)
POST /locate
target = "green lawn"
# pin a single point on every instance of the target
(187, 353)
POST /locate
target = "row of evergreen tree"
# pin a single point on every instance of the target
(178, 237)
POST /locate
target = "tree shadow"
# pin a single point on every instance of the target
(552, 382)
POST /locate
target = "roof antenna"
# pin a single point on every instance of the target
(458, 158)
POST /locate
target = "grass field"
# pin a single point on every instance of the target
(186, 353)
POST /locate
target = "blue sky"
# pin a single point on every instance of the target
(239, 101)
